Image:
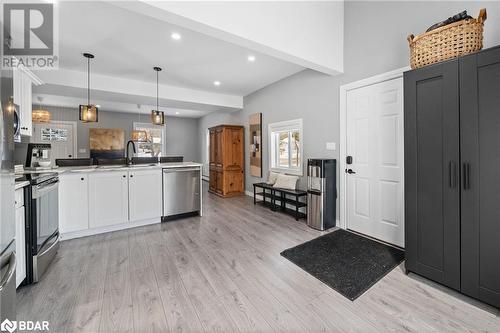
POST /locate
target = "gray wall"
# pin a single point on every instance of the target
(181, 133)
(375, 42)
(204, 124)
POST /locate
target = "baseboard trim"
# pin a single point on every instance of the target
(110, 228)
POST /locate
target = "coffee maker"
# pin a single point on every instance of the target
(38, 156)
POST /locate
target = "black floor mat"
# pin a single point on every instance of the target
(345, 261)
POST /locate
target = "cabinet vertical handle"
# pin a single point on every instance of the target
(450, 173)
(466, 175)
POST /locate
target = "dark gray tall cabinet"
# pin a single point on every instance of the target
(452, 174)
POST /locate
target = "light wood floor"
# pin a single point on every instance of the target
(224, 273)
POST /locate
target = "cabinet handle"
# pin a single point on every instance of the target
(131, 176)
(124, 176)
(82, 178)
(466, 175)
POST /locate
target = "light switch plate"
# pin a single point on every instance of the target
(330, 146)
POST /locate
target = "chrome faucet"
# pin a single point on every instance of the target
(128, 158)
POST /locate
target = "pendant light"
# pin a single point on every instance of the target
(157, 116)
(40, 115)
(89, 112)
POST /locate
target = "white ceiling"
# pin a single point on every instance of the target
(128, 45)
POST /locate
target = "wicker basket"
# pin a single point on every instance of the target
(453, 40)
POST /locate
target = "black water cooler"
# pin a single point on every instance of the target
(321, 193)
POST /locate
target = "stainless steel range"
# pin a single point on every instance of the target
(42, 227)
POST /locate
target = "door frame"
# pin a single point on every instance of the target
(75, 132)
(344, 89)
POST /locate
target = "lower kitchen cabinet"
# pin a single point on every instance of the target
(73, 202)
(108, 198)
(145, 194)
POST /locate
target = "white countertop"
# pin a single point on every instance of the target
(22, 184)
(95, 168)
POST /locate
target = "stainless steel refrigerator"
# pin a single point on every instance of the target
(7, 210)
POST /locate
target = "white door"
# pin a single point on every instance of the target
(108, 198)
(374, 139)
(73, 202)
(145, 194)
(60, 135)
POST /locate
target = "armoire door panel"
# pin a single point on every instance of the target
(480, 150)
(432, 204)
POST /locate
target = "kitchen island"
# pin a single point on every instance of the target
(98, 199)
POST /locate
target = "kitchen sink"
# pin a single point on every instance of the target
(114, 166)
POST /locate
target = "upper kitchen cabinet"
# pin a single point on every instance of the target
(108, 198)
(226, 160)
(23, 95)
(480, 153)
(145, 194)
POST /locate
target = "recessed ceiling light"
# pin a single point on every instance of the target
(251, 58)
(217, 83)
(175, 36)
(177, 112)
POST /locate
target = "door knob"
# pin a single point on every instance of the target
(349, 171)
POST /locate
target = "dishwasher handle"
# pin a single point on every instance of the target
(171, 170)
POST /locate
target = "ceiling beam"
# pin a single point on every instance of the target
(74, 84)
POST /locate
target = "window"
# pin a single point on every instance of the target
(285, 139)
(155, 145)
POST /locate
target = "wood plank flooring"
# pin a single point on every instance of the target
(224, 273)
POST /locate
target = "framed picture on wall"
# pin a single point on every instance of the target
(255, 121)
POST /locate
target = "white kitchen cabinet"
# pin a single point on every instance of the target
(20, 238)
(108, 198)
(23, 98)
(145, 194)
(73, 202)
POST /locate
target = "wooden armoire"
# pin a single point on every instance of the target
(226, 160)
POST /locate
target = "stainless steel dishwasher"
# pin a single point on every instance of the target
(181, 192)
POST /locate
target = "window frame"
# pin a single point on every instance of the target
(280, 127)
(163, 134)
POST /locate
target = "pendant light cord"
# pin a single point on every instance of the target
(88, 81)
(157, 92)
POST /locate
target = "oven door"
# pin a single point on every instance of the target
(46, 211)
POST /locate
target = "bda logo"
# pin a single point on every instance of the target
(8, 325)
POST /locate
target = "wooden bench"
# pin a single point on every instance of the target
(284, 196)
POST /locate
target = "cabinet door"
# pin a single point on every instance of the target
(108, 198)
(480, 149)
(145, 194)
(233, 182)
(213, 148)
(219, 147)
(26, 106)
(73, 202)
(233, 149)
(219, 182)
(20, 246)
(212, 184)
(432, 198)
(18, 86)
